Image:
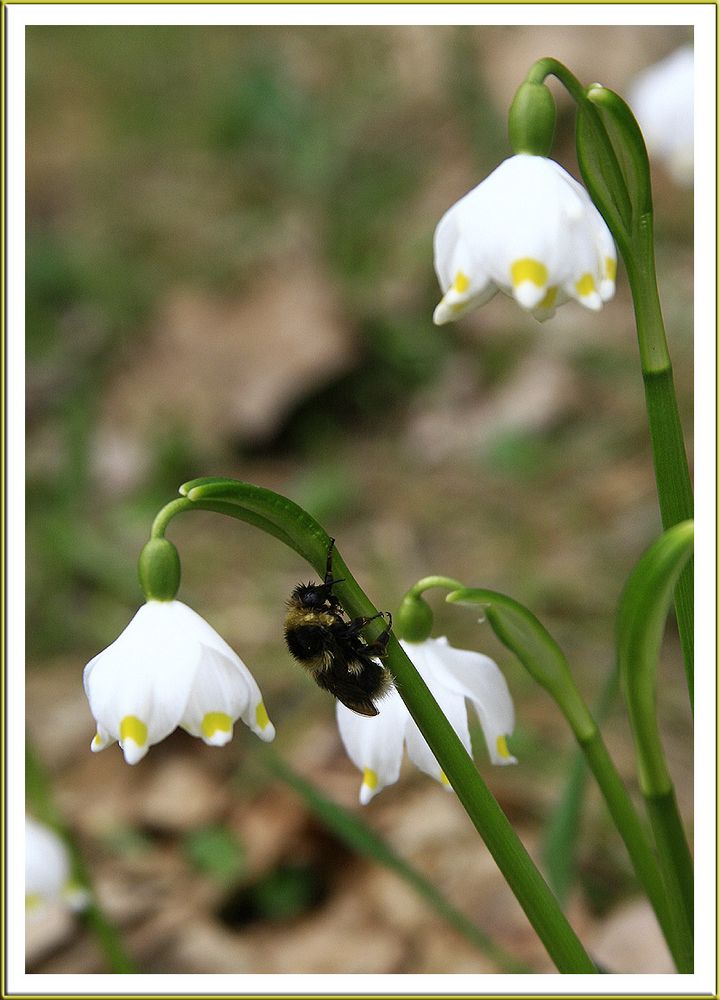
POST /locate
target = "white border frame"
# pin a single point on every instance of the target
(702, 17)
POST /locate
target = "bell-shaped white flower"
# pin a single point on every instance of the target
(170, 668)
(375, 745)
(662, 100)
(530, 230)
(48, 870)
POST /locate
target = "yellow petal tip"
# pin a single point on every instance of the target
(528, 269)
(370, 778)
(261, 716)
(132, 728)
(216, 727)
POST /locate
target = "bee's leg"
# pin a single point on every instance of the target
(330, 581)
(354, 626)
(377, 646)
(328, 565)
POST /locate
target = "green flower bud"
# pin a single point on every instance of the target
(531, 120)
(159, 570)
(414, 619)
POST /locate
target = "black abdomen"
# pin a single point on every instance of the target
(305, 641)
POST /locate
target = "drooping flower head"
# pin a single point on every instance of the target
(169, 668)
(375, 745)
(662, 99)
(530, 230)
(47, 869)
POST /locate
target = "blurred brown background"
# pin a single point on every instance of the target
(229, 272)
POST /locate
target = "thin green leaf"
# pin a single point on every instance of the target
(629, 145)
(559, 850)
(536, 649)
(522, 633)
(641, 623)
(643, 611)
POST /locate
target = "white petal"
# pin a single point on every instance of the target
(224, 690)
(238, 679)
(101, 740)
(464, 282)
(479, 679)
(375, 745)
(454, 306)
(662, 99)
(145, 675)
(134, 750)
(529, 295)
(530, 229)
(47, 862)
(424, 656)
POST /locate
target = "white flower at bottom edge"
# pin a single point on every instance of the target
(48, 870)
(530, 230)
(169, 668)
(375, 745)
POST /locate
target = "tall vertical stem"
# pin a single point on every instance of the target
(668, 446)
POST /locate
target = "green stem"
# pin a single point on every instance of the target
(514, 862)
(541, 656)
(641, 622)
(512, 859)
(228, 508)
(41, 801)
(670, 462)
(638, 847)
(428, 582)
(676, 867)
(563, 829)
(626, 201)
(607, 162)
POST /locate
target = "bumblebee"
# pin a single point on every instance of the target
(328, 644)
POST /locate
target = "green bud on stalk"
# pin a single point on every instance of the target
(531, 120)
(414, 619)
(159, 570)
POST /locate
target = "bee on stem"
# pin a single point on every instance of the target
(328, 644)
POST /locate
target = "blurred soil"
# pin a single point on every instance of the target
(241, 285)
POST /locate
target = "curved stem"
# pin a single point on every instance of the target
(609, 161)
(226, 507)
(275, 513)
(541, 656)
(428, 582)
(641, 624)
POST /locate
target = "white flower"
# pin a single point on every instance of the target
(170, 668)
(47, 869)
(662, 99)
(530, 230)
(375, 745)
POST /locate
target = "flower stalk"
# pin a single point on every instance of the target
(614, 164)
(641, 622)
(522, 633)
(285, 520)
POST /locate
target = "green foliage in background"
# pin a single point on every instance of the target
(166, 156)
